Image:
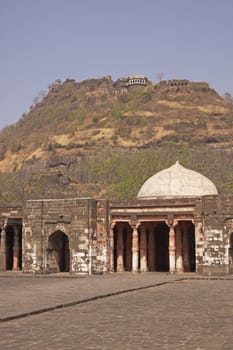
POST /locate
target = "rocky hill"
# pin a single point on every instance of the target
(104, 138)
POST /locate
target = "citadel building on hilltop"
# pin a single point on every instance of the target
(125, 83)
(178, 223)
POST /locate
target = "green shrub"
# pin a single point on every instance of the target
(95, 119)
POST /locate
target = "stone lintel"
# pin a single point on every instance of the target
(149, 211)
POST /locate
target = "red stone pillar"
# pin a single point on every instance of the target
(179, 250)
(172, 250)
(111, 247)
(120, 262)
(143, 250)
(135, 248)
(151, 249)
(16, 249)
(3, 248)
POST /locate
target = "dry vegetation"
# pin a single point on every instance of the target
(80, 136)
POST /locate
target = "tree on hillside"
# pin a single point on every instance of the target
(228, 97)
(38, 98)
(160, 76)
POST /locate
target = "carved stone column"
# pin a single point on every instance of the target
(151, 248)
(3, 247)
(172, 250)
(16, 248)
(143, 250)
(179, 250)
(111, 247)
(135, 247)
(120, 250)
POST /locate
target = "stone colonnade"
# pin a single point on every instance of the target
(10, 251)
(136, 251)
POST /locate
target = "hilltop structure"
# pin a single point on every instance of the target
(125, 83)
(178, 223)
(134, 80)
(184, 83)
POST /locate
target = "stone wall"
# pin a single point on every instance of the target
(102, 238)
(85, 224)
(217, 212)
(75, 218)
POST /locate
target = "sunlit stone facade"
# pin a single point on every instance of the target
(178, 223)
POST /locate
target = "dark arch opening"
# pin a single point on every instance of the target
(58, 253)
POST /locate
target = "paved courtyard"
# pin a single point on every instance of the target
(118, 311)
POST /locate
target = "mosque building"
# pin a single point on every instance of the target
(178, 223)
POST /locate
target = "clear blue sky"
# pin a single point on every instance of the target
(45, 40)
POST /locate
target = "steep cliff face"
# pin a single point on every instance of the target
(73, 140)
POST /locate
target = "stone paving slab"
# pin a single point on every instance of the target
(22, 295)
(179, 315)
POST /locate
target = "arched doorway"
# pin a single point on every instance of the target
(122, 247)
(58, 252)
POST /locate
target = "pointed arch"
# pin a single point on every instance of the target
(58, 256)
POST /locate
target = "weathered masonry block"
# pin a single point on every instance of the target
(60, 235)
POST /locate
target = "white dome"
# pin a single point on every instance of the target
(177, 181)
